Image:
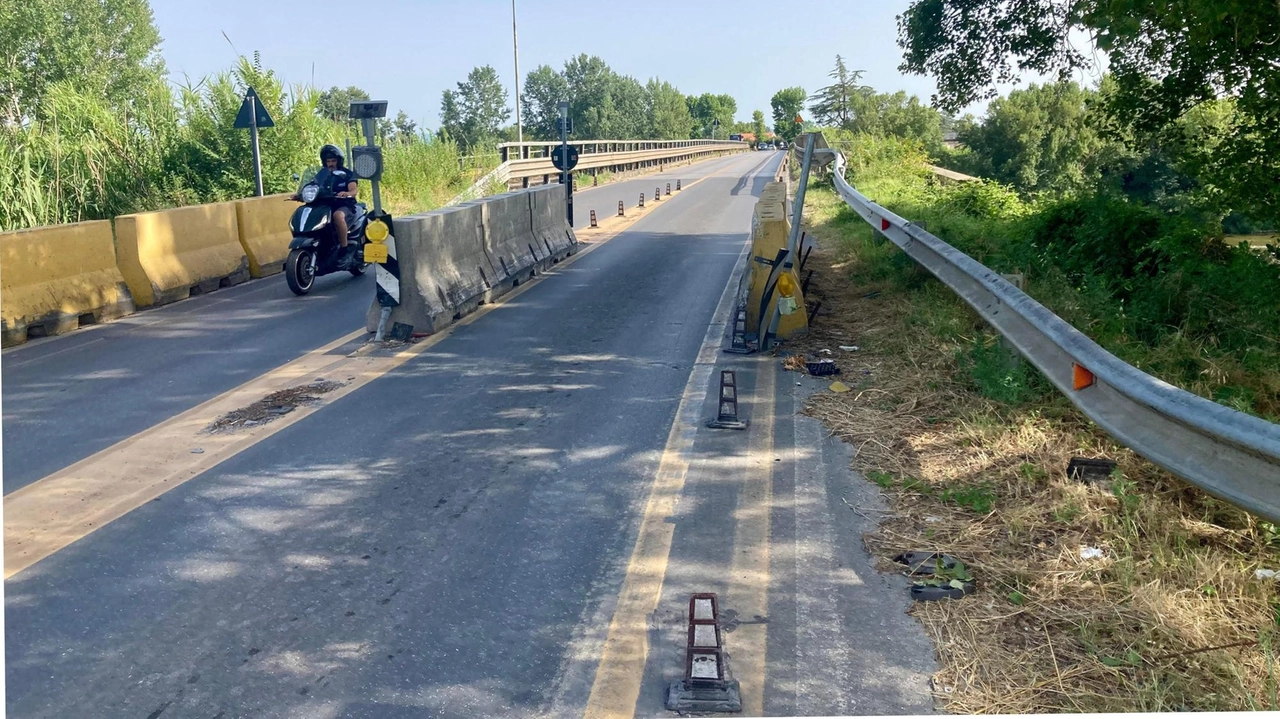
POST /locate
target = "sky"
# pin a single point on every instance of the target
(408, 51)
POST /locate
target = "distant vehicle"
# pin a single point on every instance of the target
(782, 144)
(736, 138)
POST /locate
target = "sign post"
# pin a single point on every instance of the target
(568, 158)
(366, 162)
(252, 116)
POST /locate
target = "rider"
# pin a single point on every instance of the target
(343, 183)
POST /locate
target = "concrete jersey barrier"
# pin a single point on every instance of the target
(453, 260)
(263, 228)
(57, 278)
(168, 255)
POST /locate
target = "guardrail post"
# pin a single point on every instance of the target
(668, 188)
(677, 185)
(657, 194)
(621, 213)
(593, 218)
(642, 200)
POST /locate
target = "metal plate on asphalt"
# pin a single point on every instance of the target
(375, 252)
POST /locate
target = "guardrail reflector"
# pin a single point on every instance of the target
(1081, 377)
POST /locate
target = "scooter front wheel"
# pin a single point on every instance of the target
(300, 271)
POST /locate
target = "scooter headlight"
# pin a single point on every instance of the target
(309, 193)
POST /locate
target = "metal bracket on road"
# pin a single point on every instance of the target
(741, 343)
(727, 415)
(707, 684)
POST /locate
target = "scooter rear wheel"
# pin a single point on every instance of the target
(300, 271)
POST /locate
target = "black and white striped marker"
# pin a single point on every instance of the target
(387, 275)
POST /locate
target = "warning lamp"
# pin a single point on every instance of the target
(377, 231)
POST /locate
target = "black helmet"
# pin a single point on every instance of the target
(331, 151)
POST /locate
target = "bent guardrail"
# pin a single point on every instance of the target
(1229, 454)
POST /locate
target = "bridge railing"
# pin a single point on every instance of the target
(1229, 454)
(525, 161)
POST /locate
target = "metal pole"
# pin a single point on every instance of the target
(516, 46)
(797, 208)
(257, 157)
(367, 123)
(566, 177)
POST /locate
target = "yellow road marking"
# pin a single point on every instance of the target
(66, 506)
(626, 648)
(749, 570)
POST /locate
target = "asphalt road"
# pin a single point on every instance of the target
(456, 537)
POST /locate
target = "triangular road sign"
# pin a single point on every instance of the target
(252, 106)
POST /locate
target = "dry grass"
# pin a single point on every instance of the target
(1171, 616)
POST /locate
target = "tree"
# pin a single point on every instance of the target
(1166, 58)
(786, 105)
(544, 89)
(833, 104)
(757, 124)
(707, 108)
(105, 49)
(897, 115)
(335, 103)
(667, 111)
(404, 129)
(476, 110)
(1038, 139)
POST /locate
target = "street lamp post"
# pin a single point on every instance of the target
(516, 47)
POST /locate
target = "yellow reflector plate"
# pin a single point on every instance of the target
(375, 253)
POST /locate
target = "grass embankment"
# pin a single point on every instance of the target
(972, 452)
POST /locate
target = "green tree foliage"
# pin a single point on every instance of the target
(757, 124)
(707, 108)
(107, 49)
(1037, 140)
(604, 104)
(786, 103)
(544, 88)
(897, 115)
(833, 104)
(335, 103)
(1165, 57)
(475, 112)
(667, 110)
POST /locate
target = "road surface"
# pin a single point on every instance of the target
(507, 522)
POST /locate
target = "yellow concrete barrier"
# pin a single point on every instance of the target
(54, 279)
(263, 224)
(770, 230)
(169, 255)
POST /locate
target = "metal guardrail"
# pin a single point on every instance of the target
(1229, 454)
(597, 154)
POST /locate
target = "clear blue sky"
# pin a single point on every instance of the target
(747, 48)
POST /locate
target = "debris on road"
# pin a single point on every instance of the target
(274, 405)
(1091, 553)
(849, 348)
(839, 386)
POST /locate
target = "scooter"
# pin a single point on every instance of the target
(314, 250)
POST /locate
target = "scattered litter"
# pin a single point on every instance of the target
(799, 384)
(795, 363)
(1091, 553)
(839, 386)
(871, 295)
(825, 350)
(849, 348)
(822, 368)
(1266, 574)
(932, 520)
(197, 450)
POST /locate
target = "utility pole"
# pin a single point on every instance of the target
(515, 44)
